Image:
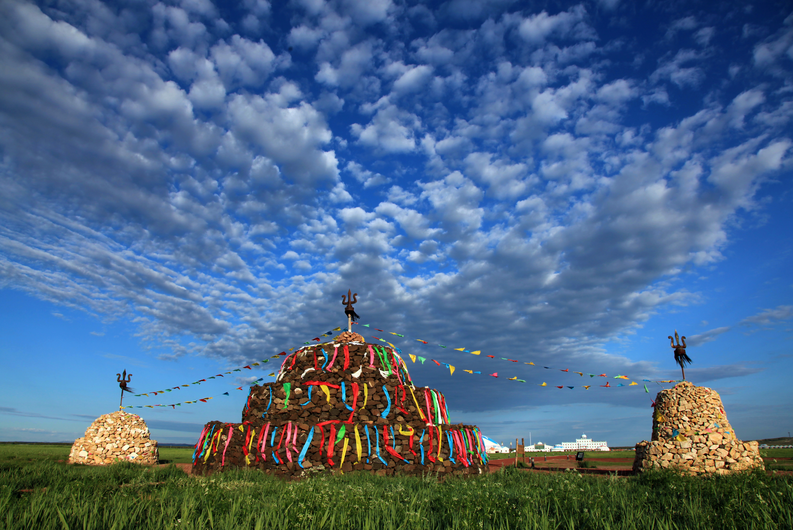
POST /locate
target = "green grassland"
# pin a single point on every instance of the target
(42, 493)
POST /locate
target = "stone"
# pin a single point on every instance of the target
(691, 431)
(111, 437)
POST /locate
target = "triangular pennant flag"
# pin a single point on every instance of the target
(451, 370)
(579, 373)
(521, 380)
(544, 384)
(491, 356)
(255, 364)
(559, 387)
(477, 352)
(587, 387)
(225, 393)
(412, 357)
(565, 370)
(272, 374)
(365, 325)
(422, 359)
(607, 385)
(513, 378)
(239, 388)
(469, 371)
(480, 373)
(436, 362)
(248, 367)
(459, 349)
(633, 384)
(529, 363)
(620, 384)
(591, 375)
(424, 341)
(441, 345)
(602, 375)
(571, 387)
(647, 391)
(494, 374)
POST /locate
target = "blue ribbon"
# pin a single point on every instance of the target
(377, 440)
(451, 447)
(326, 358)
(388, 408)
(421, 445)
(270, 403)
(203, 448)
(344, 396)
(305, 447)
(309, 397)
(272, 438)
(368, 443)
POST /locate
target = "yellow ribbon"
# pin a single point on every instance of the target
(357, 443)
(423, 417)
(326, 391)
(365, 393)
(343, 453)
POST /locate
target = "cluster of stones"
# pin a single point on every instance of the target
(345, 405)
(113, 437)
(691, 433)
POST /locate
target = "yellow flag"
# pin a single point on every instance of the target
(634, 383)
(544, 384)
(412, 357)
(255, 364)
(513, 378)
(459, 349)
(587, 387)
(529, 363)
(469, 371)
(477, 352)
(579, 373)
(272, 374)
(336, 329)
(451, 370)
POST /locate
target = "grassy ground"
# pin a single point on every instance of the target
(47, 494)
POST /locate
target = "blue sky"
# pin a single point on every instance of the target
(187, 188)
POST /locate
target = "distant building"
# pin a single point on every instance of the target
(491, 446)
(582, 444)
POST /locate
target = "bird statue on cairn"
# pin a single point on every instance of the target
(681, 358)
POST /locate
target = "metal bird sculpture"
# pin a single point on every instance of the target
(681, 358)
(122, 383)
(349, 310)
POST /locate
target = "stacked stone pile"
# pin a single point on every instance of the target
(113, 437)
(344, 405)
(691, 433)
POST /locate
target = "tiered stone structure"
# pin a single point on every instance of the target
(691, 433)
(113, 437)
(343, 405)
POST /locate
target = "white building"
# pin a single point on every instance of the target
(583, 444)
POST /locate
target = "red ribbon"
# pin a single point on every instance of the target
(346, 357)
(354, 401)
(320, 383)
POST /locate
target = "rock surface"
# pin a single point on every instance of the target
(113, 437)
(342, 406)
(691, 433)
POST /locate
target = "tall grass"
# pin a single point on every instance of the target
(128, 496)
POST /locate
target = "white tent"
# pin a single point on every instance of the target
(493, 447)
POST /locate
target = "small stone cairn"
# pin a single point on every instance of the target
(113, 437)
(691, 433)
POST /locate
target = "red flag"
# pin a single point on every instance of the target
(513, 360)
(607, 385)
(559, 387)
(202, 379)
(282, 353)
(602, 375)
(176, 388)
(204, 400)
(494, 374)
(379, 330)
(248, 367)
(436, 362)
(219, 375)
(491, 356)
(239, 388)
(316, 339)
(565, 370)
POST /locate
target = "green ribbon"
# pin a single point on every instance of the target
(287, 391)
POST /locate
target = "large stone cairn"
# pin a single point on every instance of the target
(344, 405)
(113, 437)
(691, 433)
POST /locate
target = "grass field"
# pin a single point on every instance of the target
(46, 494)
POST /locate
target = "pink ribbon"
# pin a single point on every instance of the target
(264, 442)
(288, 434)
(371, 356)
(335, 353)
(228, 441)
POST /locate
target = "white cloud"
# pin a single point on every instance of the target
(391, 130)
(567, 24)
